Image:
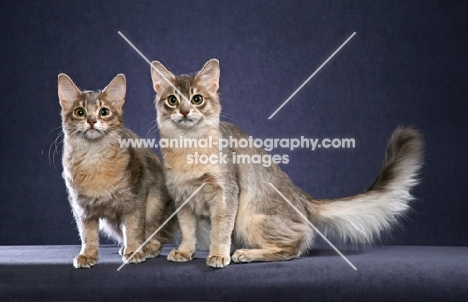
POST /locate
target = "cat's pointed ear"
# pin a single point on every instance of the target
(160, 76)
(208, 77)
(115, 91)
(67, 91)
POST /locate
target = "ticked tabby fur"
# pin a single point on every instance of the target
(238, 202)
(120, 190)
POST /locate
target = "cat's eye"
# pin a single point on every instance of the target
(197, 99)
(104, 112)
(172, 100)
(80, 112)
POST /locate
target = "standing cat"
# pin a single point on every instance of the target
(237, 199)
(120, 190)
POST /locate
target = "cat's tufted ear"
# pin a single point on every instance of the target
(160, 76)
(115, 91)
(67, 91)
(208, 77)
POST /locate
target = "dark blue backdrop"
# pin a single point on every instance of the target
(407, 65)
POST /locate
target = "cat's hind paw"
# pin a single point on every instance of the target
(241, 256)
(152, 250)
(179, 256)
(218, 261)
(83, 261)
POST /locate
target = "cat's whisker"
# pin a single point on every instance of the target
(61, 135)
(153, 122)
(63, 139)
(56, 152)
(151, 129)
(56, 146)
(224, 128)
(111, 131)
(224, 113)
(124, 131)
(153, 125)
(227, 116)
(118, 132)
(76, 133)
(43, 142)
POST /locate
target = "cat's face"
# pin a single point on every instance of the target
(193, 105)
(91, 114)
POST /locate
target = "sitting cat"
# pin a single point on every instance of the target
(239, 201)
(120, 190)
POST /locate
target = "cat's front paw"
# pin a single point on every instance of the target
(179, 256)
(218, 261)
(241, 256)
(84, 261)
(139, 257)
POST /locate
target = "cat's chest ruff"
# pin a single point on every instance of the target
(184, 179)
(97, 172)
(191, 162)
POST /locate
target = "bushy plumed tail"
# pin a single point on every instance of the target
(362, 218)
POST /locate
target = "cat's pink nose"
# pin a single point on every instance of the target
(91, 122)
(185, 111)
